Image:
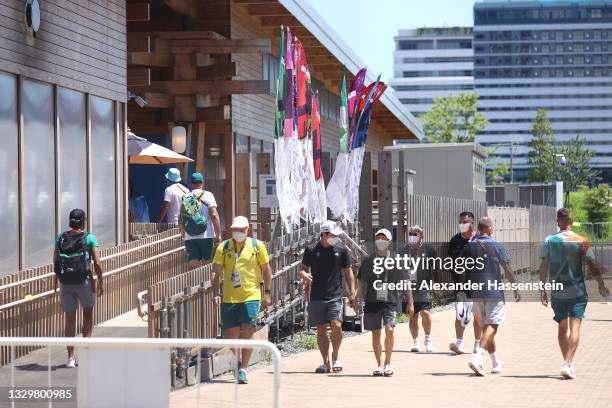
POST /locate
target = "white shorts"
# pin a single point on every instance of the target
(489, 311)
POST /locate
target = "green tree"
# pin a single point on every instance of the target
(598, 206)
(578, 170)
(497, 169)
(598, 203)
(454, 119)
(542, 150)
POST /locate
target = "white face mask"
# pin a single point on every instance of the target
(413, 239)
(239, 236)
(381, 244)
(464, 227)
(333, 240)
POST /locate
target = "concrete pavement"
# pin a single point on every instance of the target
(526, 344)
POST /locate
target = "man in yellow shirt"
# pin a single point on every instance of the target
(243, 263)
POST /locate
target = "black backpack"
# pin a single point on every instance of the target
(72, 263)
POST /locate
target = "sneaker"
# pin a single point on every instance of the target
(415, 347)
(242, 377)
(429, 347)
(71, 363)
(477, 365)
(497, 368)
(568, 372)
(456, 348)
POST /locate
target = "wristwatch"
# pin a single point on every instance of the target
(267, 292)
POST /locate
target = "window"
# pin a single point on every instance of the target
(270, 71)
(103, 170)
(73, 159)
(39, 172)
(416, 44)
(9, 205)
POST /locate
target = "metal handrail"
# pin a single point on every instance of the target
(104, 274)
(147, 343)
(104, 258)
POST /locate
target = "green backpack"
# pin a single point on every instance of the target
(194, 222)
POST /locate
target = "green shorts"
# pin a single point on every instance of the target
(565, 309)
(199, 249)
(235, 314)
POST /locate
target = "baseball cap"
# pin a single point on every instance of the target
(173, 175)
(384, 232)
(331, 227)
(240, 222)
(77, 214)
(197, 177)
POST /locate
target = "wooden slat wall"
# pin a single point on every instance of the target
(81, 45)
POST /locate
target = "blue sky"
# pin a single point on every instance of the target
(368, 26)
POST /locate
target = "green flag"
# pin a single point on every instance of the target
(343, 133)
(279, 112)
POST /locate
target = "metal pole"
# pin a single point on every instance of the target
(511, 162)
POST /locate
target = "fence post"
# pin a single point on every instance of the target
(385, 194)
(163, 319)
(401, 200)
(365, 197)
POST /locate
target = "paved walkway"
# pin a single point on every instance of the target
(527, 346)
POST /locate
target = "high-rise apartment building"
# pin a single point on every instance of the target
(545, 54)
(431, 62)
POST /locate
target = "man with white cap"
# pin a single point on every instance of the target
(243, 263)
(380, 302)
(173, 195)
(322, 268)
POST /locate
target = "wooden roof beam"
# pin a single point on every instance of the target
(247, 46)
(220, 87)
(138, 12)
(277, 21)
(273, 9)
(185, 7)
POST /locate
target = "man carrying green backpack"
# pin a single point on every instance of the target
(198, 209)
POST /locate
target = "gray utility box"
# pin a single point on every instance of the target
(444, 169)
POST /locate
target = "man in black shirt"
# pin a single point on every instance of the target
(322, 268)
(455, 247)
(380, 301)
(423, 275)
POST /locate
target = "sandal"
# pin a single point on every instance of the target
(337, 366)
(378, 372)
(388, 371)
(322, 369)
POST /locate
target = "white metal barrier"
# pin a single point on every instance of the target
(136, 345)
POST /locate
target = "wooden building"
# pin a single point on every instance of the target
(211, 66)
(62, 124)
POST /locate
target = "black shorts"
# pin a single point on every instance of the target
(375, 315)
(418, 306)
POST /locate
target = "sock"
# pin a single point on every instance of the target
(477, 343)
(459, 342)
(494, 358)
(427, 337)
(415, 339)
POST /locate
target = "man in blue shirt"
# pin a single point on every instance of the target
(488, 302)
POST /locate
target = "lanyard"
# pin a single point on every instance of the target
(237, 253)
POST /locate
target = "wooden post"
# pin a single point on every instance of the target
(243, 188)
(365, 198)
(401, 200)
(200, 144)
(263, 214)
(385, 185)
